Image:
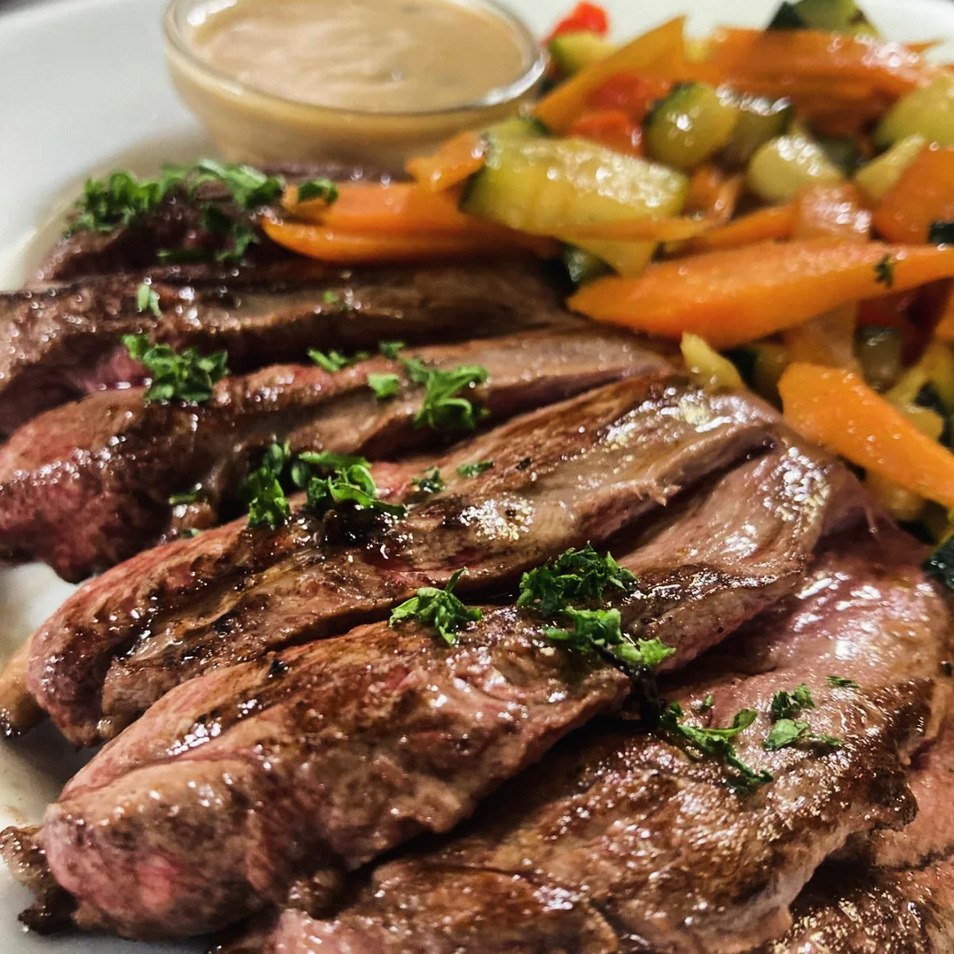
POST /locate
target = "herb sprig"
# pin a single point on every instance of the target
(717, 743)
(147, 299)
(431, 483)
(475, 469)
(601, 630)
(440, 609)
(186, 376)
(786, 729)
(333, 361)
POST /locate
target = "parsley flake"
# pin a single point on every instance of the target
(788, 732)
(313, 189)
(884, 271)
(475, 469)
(438, 608)
(186, 497)
(600, 630)
(147, 299)
(384, 385)
(333, 361)
(785, 705)
(717, 743)
(186, 376)
(353, 486)
(840, 682)
(390, 349)
(263, 491)
(443, 407)
(573, 577)
(431, 483)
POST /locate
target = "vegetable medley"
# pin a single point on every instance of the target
(779, 201)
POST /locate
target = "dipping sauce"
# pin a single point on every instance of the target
(360, 81)
(376, 55)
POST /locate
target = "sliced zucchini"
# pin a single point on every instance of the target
(572, 52)
(877, 177)
(927, 112)
(547, 186)
(761, 365)
(784, 165)
(843, 151)
(830, 16)
(583, 266)
(879, 354)
(517, 127)
(760, 119)
(689, 125)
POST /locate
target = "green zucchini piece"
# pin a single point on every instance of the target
(518, 127)
(879, 352)
(785, 165)
(543, 186)
(759, 120)
(689, 125)
(761, 365)
(830, 16)
(843, 151)
(572, 52)
(583, 266)
(877, 177)
(927, 112)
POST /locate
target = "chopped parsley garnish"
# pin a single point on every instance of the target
(328, 479)
(717, 743)
(787, 732)
(330, 297)
(444, 408)
(431, 483)
(575, 576)
(941, 233)
(840, 682)
(600, 630)
(390, 349)
(186, 497)
(884, 271)
(475, 469)
(333, 361)
(438, 608)
(147, 299)
(263, 491)
(384, 385)
(352, 485)
(785, 705)
(123, 199)
(940, 564)
(707, 703)
(185, 376)
(313, 189)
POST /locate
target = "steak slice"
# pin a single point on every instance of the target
(315, 761)
(177, 223)
(846, 910)
(59, 342)
(626, 842)
(86, 485)
(579, 471)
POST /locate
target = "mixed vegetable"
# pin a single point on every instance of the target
(780, 201)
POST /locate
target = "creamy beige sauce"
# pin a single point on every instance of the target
(377, 55)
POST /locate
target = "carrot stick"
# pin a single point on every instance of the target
(673, 229)
(734, 296)
(456, 160)
(835, 407)
(772, 222)
(923, 194)
(832, 209)
(656, 54)
(403, 208)
(354, 248)
(713, 194)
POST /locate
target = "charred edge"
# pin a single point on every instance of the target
(53, 907)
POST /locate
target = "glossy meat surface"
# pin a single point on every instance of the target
(86, 485)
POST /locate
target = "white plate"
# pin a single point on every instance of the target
(83, 89)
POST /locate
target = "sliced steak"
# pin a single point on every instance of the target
(931, 834)
(59, 342)
(336, 751)
(626, 842)
(87, 484)
(578, 471)
(176, 224)
(847, 910)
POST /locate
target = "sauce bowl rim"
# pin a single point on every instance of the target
(177, 12)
